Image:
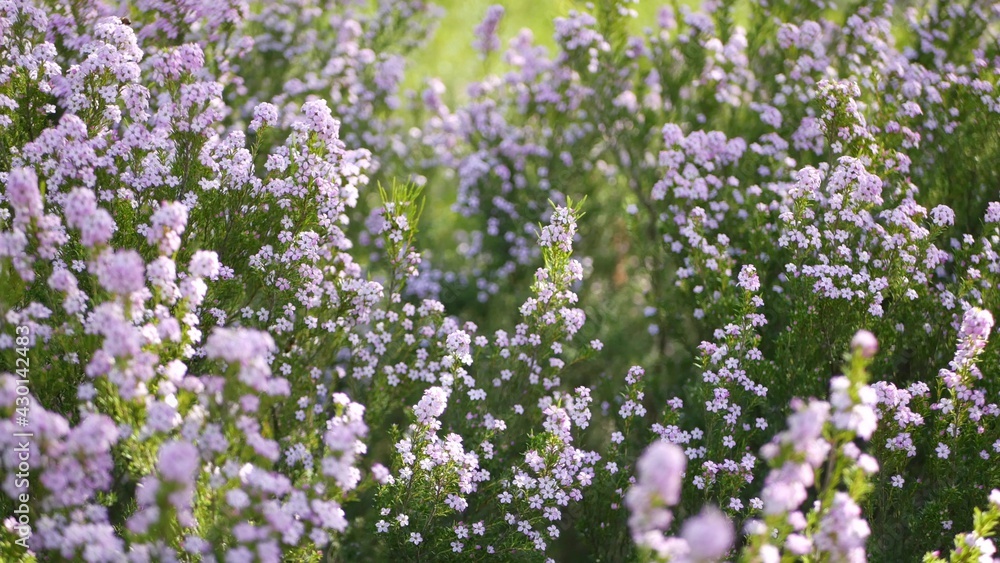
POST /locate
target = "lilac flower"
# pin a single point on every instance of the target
(865, 343)
(23, 194)
(993, 212)
(458, 344)
(842, 532)
(560, 231)
(121, 272)
(167, 224)
(659, 473)
(249, 349)
(178, 462)
(264, 114)
(710, 535)
(204, 264)
(749, 279)
(238, 345)
(487, 40)
(859, 417)
(943, 451)
(943, 216)
(432, 404)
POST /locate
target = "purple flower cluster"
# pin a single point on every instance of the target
(226, 345)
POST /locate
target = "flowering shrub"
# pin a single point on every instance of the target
(262, 301)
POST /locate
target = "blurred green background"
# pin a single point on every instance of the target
(449, 54)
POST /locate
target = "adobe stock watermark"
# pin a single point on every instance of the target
(22, 416)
